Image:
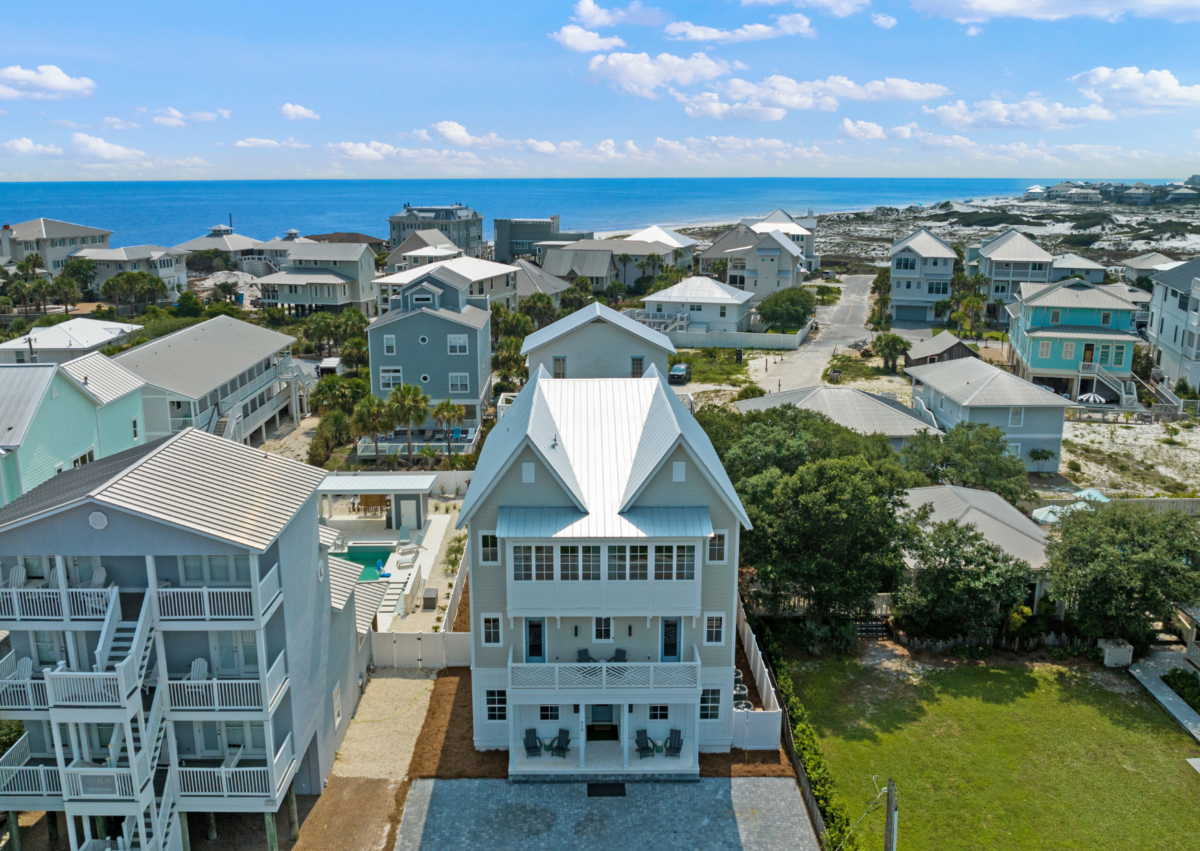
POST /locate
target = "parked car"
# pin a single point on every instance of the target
(681, 373)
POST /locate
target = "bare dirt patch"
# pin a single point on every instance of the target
(462, 620)
(742, 763)
(291, 440)
(445, 749)
(380, 741)
(353, 813)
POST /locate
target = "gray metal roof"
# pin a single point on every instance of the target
(104, 378)
(1148, 261)
(737, 237)
(1073, 293)
(683, 522)
(1083, 332)
(328, 535)
(662, 235)
(632, 247)
(697, 289)
(22, 388)
(595, 312)
(377, 483)
(602, 439)
(974, 382)
(998, 521)
(923, 243)
(222, 238)
(53, 229)
(1014, 246)
(192, 480)
(570, 263)
(306, 275)
(129, 252)
(861, 412)
(1181, 277)
(470, 315)
(1074, 261)
(460, 272)
(79, 334)
(367, 597)
(342, 577)
(195, 360)
(325, 251)
(935, 345)
(532, 278)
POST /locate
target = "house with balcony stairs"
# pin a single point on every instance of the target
(223, 376)
(177, 644)
(603, 542)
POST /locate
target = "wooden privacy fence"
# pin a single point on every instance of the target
(421, 649)
(756, 729)
(1010, 645)
(881, 606)
(789, 747)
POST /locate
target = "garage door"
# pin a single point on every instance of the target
(910, 313)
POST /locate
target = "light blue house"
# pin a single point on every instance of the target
(1077, 338)
(972, 390)
(56, 417)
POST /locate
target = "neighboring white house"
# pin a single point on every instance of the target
(603, 541)
(421, 247)
(922, 266)
(857, 410)
(478, 278)
(1137, 196)
(1174, 330)
(972, 390)
(597, 342)
(700, 303)
(1007, 261)
(1144, 265)
(1083, 195)
(1061, 190)
(65, 341)
(272, 255)
(330, 276)
(50, 239)
(654, 233)
(1074, 266)
(235, 248)
(801, 231)
(1035, 193)
(170, 264)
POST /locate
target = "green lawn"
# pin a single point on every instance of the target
(854, 368)
(988, 756)
(715, 366)
(1002, 336)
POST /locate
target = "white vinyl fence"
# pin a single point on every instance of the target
(756, 729)
(460, 581)
(421, 649)
(737, 339)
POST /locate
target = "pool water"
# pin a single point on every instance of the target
(368, 557)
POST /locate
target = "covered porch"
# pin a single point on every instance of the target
(376, 502)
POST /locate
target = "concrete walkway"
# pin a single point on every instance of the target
(763, 813)
(1149, 672)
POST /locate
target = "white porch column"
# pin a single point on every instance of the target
(627, 718)
(696, 734)
(255, 579)
(582, 732)
(512, 736)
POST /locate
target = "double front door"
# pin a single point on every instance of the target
(235, 654)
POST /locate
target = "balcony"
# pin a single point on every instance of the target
(230, 695)
(22, 775)
(214, 603)
(257, 777)
(617, 598)
(27, 694)
(603, 677)
(29, 604)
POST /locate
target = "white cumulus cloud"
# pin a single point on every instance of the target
(70, 125)
(251, 142)
(837, 8)
(974, 30)
(541, 147)
(966, 11)
(641, 75)
(25, 145)
(97, 147)
(46, 82)
(710, 105)
(786, 93)
(574, 37)
(883, 21)
(784, 25)
(172, 117)
(296, 112)
(588, 13)
(1136, 90)
(457, 135)
(121, 124)
(864, 131)
(1034, 113)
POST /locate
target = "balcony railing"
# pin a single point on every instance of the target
(19, 778)
(33, 604)
(229, 695)
(237, 782)
(605, 675)
(215, 603)
(114, 784)
(28, 694)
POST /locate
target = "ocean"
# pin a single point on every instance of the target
(171, 212)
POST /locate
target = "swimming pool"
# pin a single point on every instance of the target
(369, 556)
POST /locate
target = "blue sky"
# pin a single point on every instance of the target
(153, 91)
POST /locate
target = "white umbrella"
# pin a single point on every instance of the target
(1054, 513)
(1091, 495)
(1092, 399)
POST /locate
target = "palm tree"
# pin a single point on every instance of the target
(642, 265)
(152, 287)
(18, 290)
(429, 454)
(322, 328)
(624, 260)
(507, 359)
(654, 260)
(446, 413)
(411, 407)
(540, 308)
(354, 323)
(882, 301)
(960, 316)
(676, 254)
(330, 394)
(719, 268)
(372, 416)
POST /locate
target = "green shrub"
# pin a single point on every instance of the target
(1074, 467)
(967, 651)
(10, 731)
(750, 391)
(1186, 685)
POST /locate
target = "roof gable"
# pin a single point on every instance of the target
(22, 389)
(595, 312)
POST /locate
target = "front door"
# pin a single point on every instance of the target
(535, 640)
(602, 728)
(408, 513)
(1089, 352)
(235, 654)
(670, 640)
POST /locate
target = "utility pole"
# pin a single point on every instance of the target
(892, 824)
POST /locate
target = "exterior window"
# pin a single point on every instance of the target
(491, 630)
(1104, 353)
(1069, 351)
(1037, 267)
(1016, 416)
(337, 704)
(527, 472)
(639, 562)
(679, 471)
(1055, 317)
(390, 376)
(1106, 318)
(460, 382)
(716, 547)
(664, 560)
(635, 369)
(1014, 449)
(543, 564)
(135, 428)
(548, 713)
(389, 344)
(1044, 349)
(560, 367)
(523, 564)
(685, 562)
(589, 564)
(722, 311)
(710, 704)
(604, 629)
(497, 704)
(1118, 356)
(489, 548)
(456, 344)
(714, 629)
(906, 263)
(659, 713)
(568, 563)
(617, 556)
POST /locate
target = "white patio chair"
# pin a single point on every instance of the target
(16, 577)
(99, 577)
(197, 689)
(24, 668)
(232, 758)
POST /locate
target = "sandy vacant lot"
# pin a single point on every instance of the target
(1133, 459)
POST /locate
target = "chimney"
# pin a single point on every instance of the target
(6, 241)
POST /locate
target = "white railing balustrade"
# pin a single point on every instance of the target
(23, 694)
(269, 587)
(71, 688)
(205, 603)
(215, 695)
(283, 759)
(225, 782)
(17, 778)
(276, 676)
(91, 603)
(604, 675)
(8, 665)
(28, 604)
(106, 783)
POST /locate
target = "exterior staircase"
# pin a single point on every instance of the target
(222, 425)
(1126, 390)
